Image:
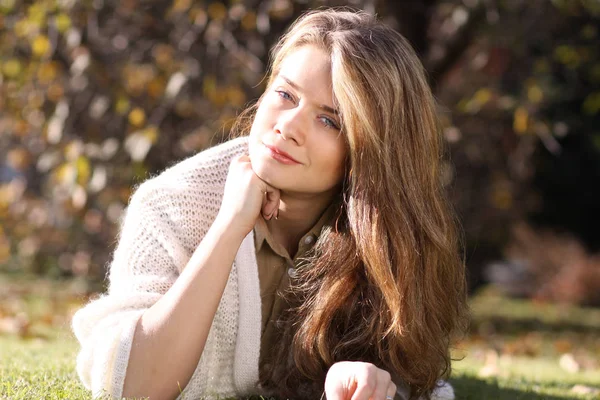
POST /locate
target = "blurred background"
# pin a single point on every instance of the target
(98, 95)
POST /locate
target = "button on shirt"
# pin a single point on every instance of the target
(275, 269)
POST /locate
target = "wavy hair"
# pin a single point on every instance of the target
(386, 283)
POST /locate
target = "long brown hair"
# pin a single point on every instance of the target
(386, 283)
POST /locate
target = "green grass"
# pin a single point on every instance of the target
(512, 351)
(514, 348)
(38, 368)
(523, 378)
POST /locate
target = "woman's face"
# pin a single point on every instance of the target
(295, 141)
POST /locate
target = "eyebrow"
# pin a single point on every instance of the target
(322, 106)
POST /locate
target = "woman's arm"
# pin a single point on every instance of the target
(170, 336)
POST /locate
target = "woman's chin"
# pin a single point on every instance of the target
(263, 171)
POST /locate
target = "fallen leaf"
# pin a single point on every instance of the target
(563, 346)
(582, 389)
(15, 325)
(568, 363)
(491, 365)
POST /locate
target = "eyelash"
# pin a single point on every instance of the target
(283, 93)
(328, 122)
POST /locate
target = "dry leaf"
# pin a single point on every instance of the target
(568, 363)
(584, 390)
(491, 365)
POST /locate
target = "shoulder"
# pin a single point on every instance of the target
(184, 199)
(210, 164)
(202, 173)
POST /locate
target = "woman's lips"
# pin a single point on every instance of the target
(281, 155)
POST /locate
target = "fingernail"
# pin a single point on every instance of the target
(277, 214)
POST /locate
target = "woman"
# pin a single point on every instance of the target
(316, 256)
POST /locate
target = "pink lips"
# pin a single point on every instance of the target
(281, 156)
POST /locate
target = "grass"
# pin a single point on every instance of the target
(516, 349)
(520, 349)
(39, 369)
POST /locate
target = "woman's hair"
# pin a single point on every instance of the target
(385, 283)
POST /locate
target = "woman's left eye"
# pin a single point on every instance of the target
(329, 122)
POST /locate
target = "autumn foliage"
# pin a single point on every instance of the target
(97, 95)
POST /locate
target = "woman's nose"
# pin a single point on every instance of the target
(290, 126)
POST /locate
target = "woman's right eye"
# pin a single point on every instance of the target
(284, 95)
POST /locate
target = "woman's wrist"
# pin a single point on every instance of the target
(226, 225)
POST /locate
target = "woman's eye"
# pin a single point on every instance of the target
(329, 123)
(285, 95)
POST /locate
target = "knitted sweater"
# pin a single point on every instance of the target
(166, 219)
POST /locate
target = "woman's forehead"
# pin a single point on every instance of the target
(308, 70)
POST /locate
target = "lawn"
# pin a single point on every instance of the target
(520, 349)
(516, 349)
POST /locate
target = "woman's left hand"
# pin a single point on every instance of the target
(355, 380)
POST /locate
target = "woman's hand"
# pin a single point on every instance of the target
(354, 380)
(246, 196)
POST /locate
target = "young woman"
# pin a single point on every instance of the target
(314, 255)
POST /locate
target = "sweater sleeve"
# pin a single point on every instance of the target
(146, 263)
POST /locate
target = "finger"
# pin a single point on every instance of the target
(239, 165)
(242, 158)
(265, 209)
(338, 390)
(271, 203)
(391, 391)
(364, 392)
(239, 160)
(273, 199)
(339, 385)
(365, 387)
(270, 209)
(335, 394)
(383, 380)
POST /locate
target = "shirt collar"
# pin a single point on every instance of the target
(262, 234)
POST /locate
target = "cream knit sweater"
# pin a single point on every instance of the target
(165, 221)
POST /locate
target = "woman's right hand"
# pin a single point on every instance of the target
(246, 196)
